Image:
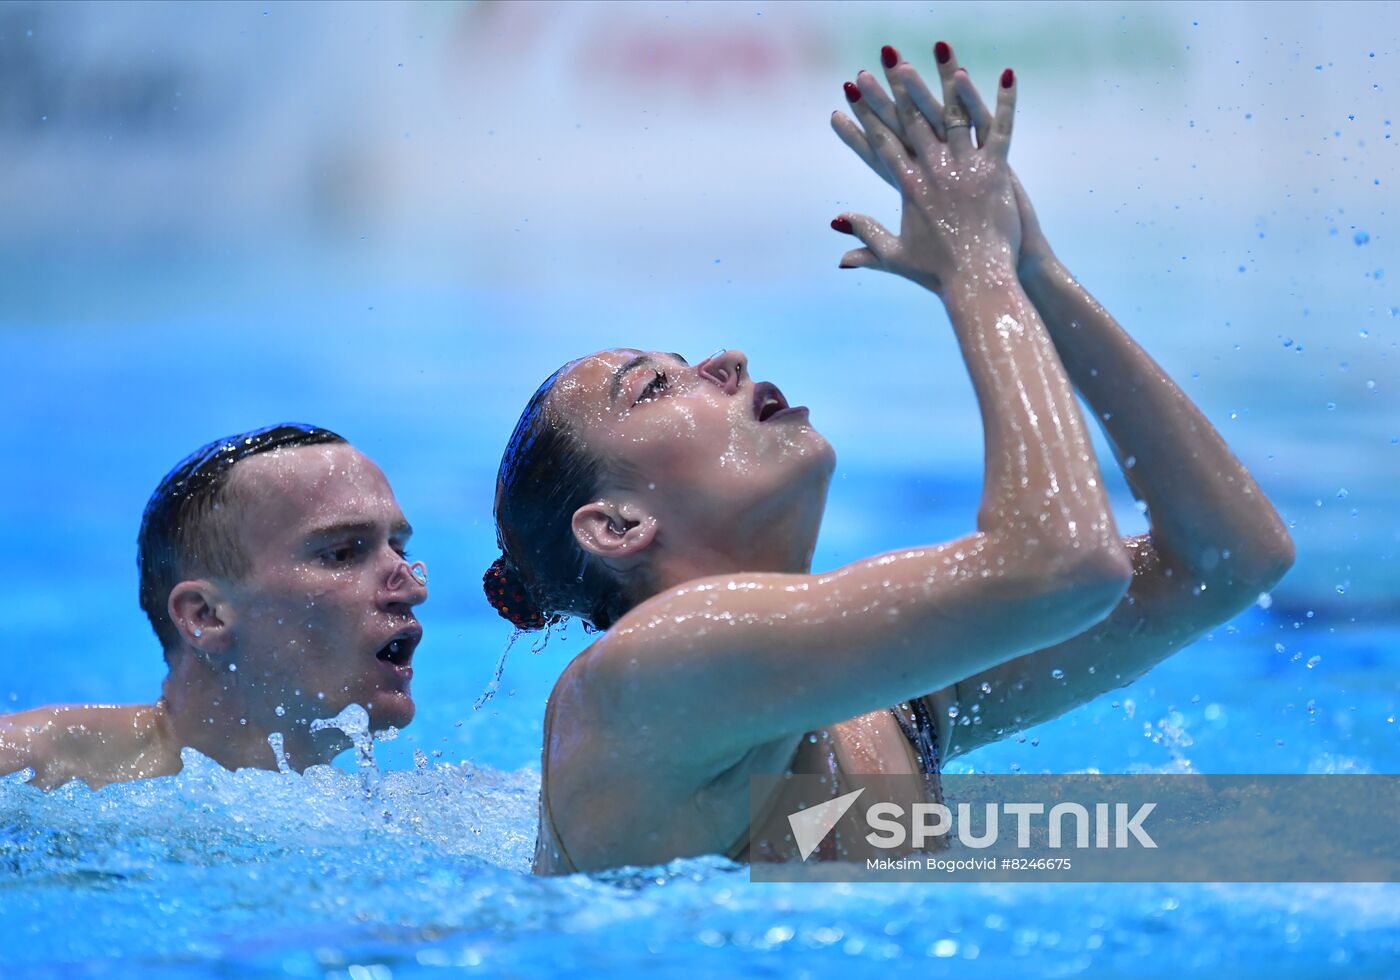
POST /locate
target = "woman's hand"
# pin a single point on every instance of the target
(959, 207)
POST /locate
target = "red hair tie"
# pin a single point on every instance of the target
(507, 594)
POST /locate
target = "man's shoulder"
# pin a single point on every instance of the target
(93, 742)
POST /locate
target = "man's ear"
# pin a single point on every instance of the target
(202, 613)
(617, 532)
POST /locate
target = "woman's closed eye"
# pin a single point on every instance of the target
(654, 387)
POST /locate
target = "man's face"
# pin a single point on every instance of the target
(324, 615)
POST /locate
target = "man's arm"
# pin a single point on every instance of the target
(98, 744)
(25, 742)
(1215, 541)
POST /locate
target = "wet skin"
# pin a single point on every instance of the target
(736, 654)
(323, 532)
(304, 633)
(699, 484)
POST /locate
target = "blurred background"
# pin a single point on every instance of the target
(395, 220)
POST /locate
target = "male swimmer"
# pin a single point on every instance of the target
(274, 572)
(676, 508)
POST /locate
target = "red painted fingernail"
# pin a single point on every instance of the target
(843, 225)
(1008, 78)
(852, 93)
(942, 52)
(889, 57)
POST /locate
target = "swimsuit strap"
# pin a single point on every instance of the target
(922, 734)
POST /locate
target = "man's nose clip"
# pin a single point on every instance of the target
(417, 571)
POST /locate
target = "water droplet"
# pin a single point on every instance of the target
(952, 711)
(1341, 589)
(280, 711)
(1331, 406)
(1278, 648)
(1361, 238)
(1057, 673)
(1035, 741)
(232, 668)
(198, 631)
(1314, 660)
(986, 688)
(1342, 494)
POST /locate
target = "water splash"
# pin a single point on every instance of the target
(276, 741)
(353, 721)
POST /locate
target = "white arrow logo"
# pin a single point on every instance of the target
(809, 826)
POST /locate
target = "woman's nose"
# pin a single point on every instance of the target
(726, 369)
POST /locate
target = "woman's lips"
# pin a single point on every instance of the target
(768, 398)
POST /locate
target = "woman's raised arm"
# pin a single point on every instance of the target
(720, 665)
(1215, 541)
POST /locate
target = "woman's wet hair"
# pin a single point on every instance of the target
(189, 527)
(543, 574)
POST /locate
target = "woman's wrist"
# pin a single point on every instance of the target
(1037, 267)
(988, 275)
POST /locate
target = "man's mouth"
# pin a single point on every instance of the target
(769, 403)
(399, 650)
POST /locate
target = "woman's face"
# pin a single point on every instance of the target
(722, 462)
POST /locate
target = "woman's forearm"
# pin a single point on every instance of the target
(1206, 510)
(1042, 485)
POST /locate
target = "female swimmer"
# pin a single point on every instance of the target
(676, 507)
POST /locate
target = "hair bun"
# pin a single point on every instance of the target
(506, 591)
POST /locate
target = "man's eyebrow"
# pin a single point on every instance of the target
(401, 529)
(681, 359)
(621, 373)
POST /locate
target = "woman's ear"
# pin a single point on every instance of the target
(615, 532)
(202, 614)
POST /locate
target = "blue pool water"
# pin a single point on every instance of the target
(258, 873)
(216, 217)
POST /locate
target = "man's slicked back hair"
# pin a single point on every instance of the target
(188, 528)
